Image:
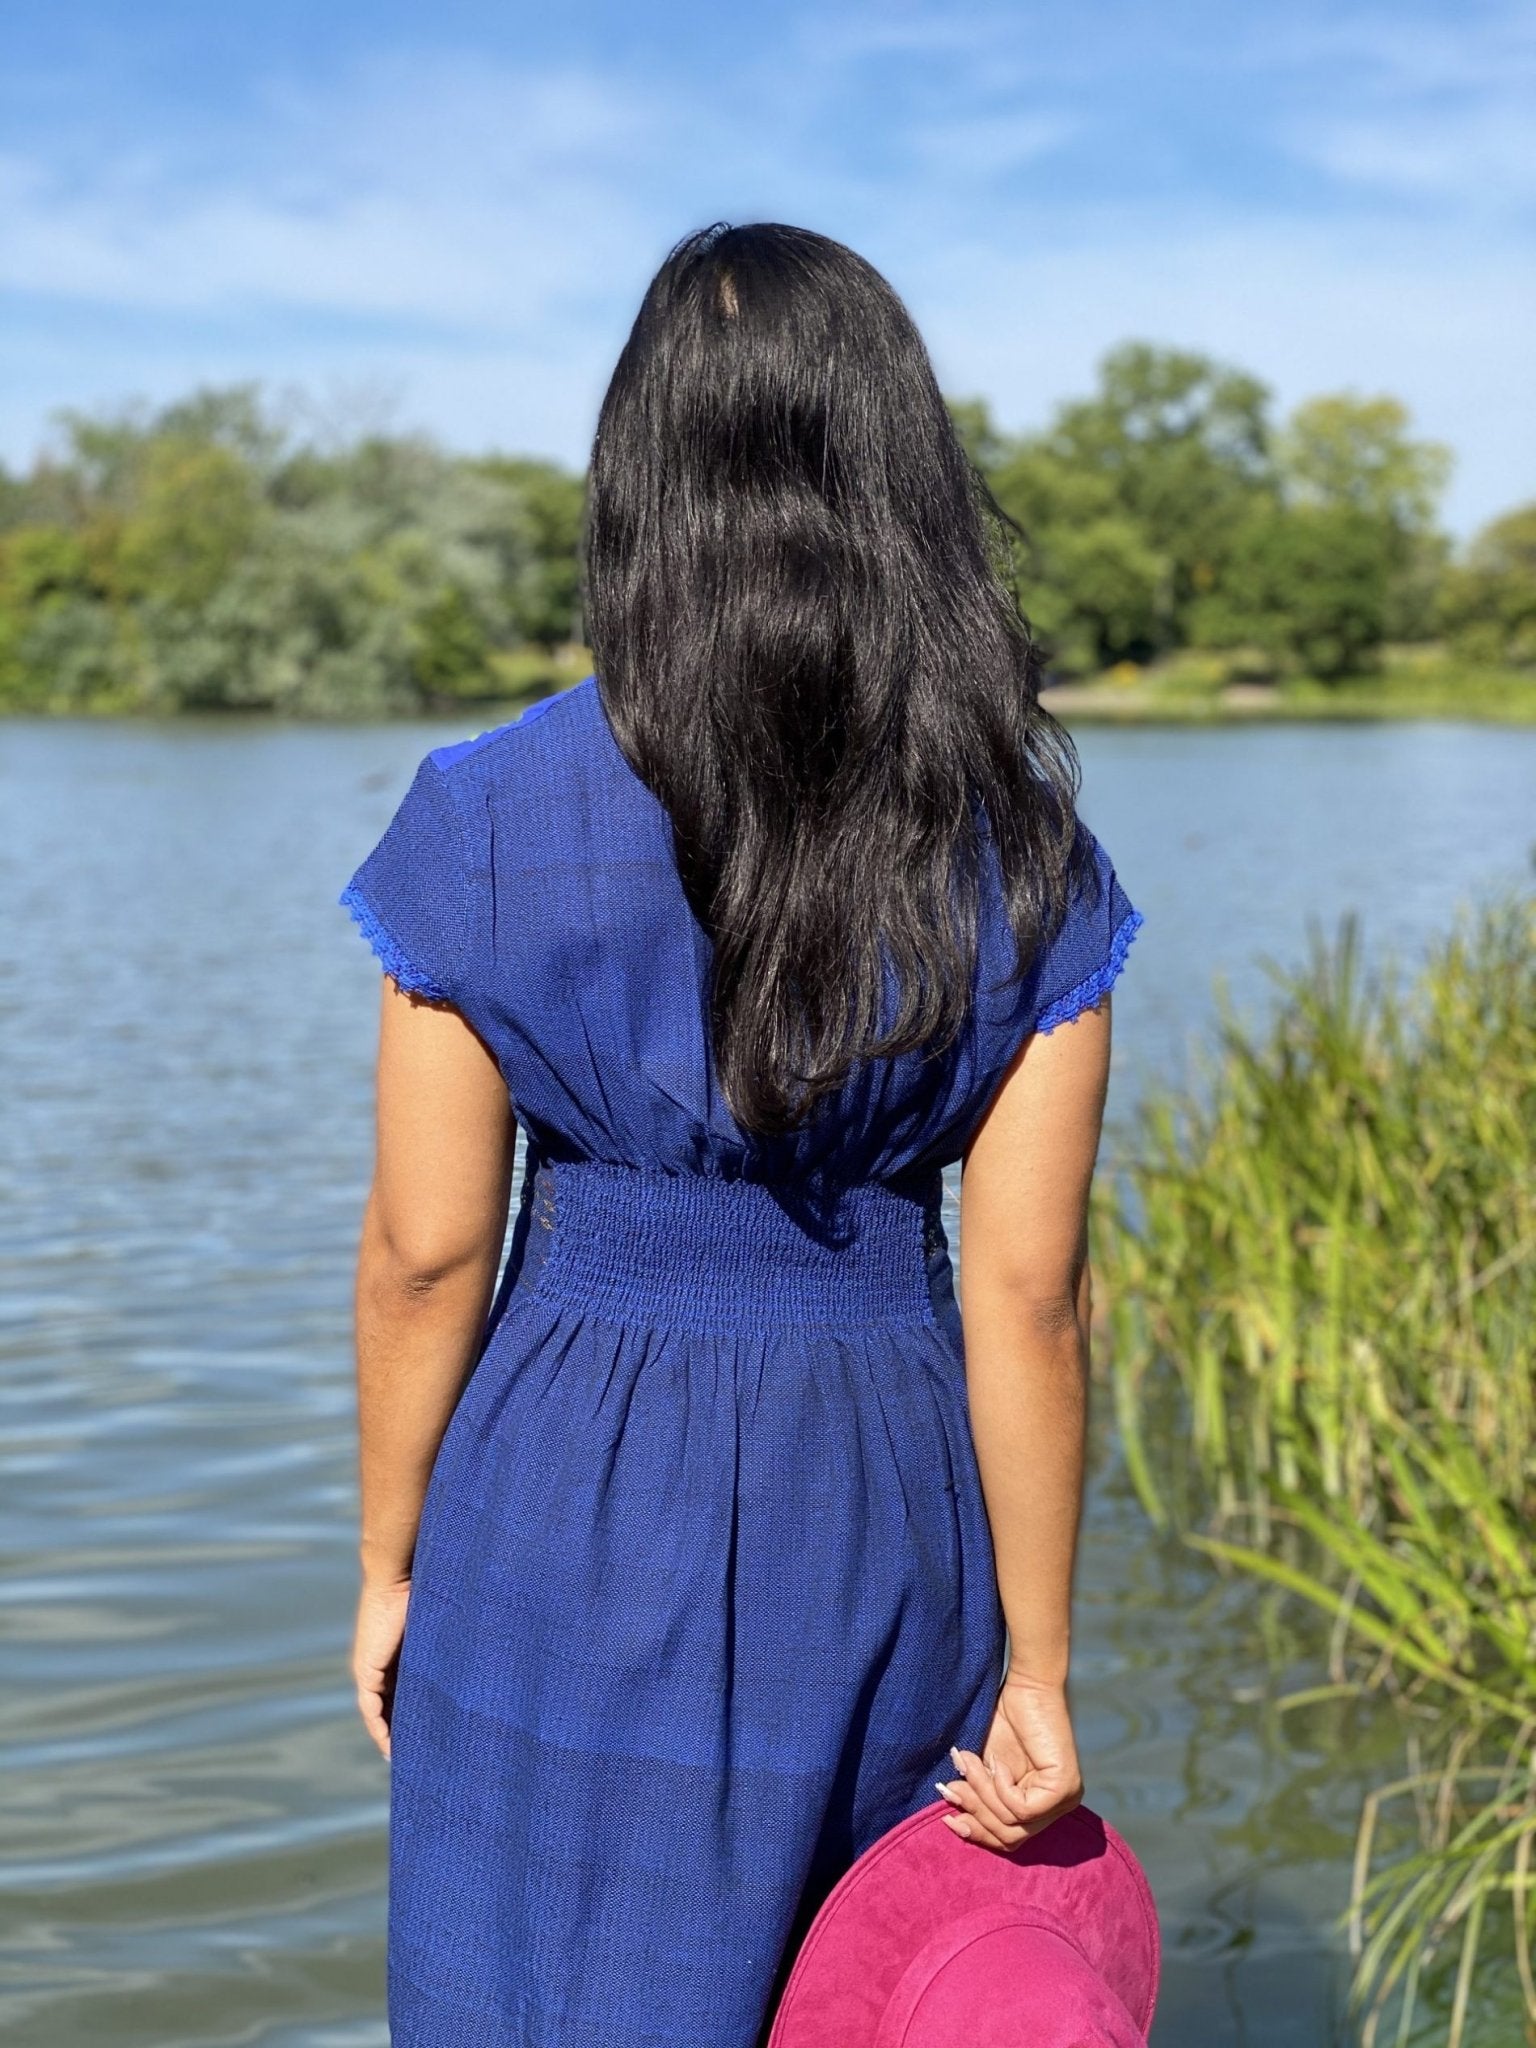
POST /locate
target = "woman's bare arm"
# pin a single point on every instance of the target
(432, 1235)
(1025, 1306)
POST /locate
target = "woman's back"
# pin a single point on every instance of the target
(529, 878)
(702, 1592)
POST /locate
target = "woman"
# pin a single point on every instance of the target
(687, 1559)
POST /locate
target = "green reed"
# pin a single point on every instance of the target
(1319, 1267)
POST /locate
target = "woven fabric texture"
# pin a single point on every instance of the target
(703, 1590)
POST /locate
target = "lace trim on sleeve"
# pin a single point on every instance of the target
(400, 969)
(1098, 984)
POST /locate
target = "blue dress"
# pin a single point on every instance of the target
(703, 1590)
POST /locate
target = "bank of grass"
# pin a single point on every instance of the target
(1194, 688)
(1320, 1276)
(1186, 689)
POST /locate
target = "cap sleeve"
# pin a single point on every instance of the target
(1077, 969)
(410, 898)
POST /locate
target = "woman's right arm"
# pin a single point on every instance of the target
(426, 1268)
(1025, 1306)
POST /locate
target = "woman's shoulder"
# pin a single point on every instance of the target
(548, 728)
(506, 793)
(551, 786)
(1077, 957)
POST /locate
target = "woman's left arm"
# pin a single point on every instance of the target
(432, 1236)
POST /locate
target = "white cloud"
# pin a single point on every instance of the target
(1424, 110)
(1388, 54)
(458, 195)
(474, 198)
(1484, 158)
(476, 236)
(978, 148)
(852, 37)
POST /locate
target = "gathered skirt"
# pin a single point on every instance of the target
(702, 1595)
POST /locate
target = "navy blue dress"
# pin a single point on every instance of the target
(703, 1590)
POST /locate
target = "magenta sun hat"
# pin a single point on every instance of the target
(930, 1941)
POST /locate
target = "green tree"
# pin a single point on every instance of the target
(15, 500)
(204, 553)
(986, 445)
(1129, 500)
(104, 455)
(195, 513)
(1343, 451)
(312, 620)
(56, 634)
(1310, 584)
(1488, 605)
(545, 594)
(451, 651)
(1182, 445)
(236, 417)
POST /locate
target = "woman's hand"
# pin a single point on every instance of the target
(1027, 1775)
(376, 1652)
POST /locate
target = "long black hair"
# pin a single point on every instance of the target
(807, 645)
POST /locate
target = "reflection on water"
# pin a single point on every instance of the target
(192, 1838)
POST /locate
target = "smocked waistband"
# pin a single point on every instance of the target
(689, 1251)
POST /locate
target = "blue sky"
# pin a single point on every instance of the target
(443, 216)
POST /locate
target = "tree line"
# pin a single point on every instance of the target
(211, 554)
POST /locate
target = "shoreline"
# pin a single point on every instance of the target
(1095, 704)
(1404, 689)
(1405, 692)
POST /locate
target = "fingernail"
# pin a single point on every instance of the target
(945, 1793)
(961, 1827)
(959, 1760)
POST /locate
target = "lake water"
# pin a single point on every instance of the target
(192, 1836)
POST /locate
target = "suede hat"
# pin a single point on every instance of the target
(930, 1941)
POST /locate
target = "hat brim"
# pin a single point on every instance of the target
(920, 1876)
